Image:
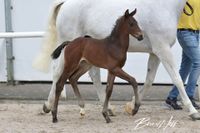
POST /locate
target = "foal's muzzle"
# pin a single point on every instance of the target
(140, 37)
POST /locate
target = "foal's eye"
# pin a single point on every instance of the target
(131, 24)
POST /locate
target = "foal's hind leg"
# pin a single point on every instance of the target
(59, 88)
(82, 68)
(120, 73)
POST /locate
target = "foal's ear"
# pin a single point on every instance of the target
(126, 13)
(133, 12)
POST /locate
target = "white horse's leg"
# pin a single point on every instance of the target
(64, 92)
(153, 64)
(94, 73)
(198, 89)
(51, 98)
(57, 71)
(166, 57)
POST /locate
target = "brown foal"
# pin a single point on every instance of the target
(109, 53)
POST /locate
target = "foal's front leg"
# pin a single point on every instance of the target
(153, 64)
(120, 73)
(95, 76)
(109, 89)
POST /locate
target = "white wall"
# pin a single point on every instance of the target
(31, 15)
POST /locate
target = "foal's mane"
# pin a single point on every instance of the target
(115, 29)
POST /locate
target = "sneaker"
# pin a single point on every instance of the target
(193, 103)
(172, 102)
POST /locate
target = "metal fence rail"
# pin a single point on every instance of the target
(21, 34)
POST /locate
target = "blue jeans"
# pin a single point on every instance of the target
(190, 64)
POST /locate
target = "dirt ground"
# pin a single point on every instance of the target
(153, 117)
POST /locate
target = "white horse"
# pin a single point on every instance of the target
(157, 18)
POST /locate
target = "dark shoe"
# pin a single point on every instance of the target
(172, 102)
(193, 103)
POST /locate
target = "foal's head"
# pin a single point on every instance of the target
(131, 25)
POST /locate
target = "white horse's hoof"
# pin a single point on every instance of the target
(45, 108)
(129, 108)
(195, 116)
(82, 112)
(111, 110)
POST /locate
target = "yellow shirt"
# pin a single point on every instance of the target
(193, 21)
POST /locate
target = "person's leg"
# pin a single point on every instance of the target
(184, 71)
(190, 66)
(192, 50)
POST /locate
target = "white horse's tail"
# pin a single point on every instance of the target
(43, 60)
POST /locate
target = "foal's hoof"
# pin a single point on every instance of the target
(108, 120)
(195, 116)
(55, 120)
(45, 109)
(82, 112)
(105, 115)
(134, 111)
(129, 108)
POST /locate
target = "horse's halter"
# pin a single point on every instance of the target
(191, 9)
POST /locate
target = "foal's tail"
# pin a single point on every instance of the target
(56, 53)
(43, 59)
